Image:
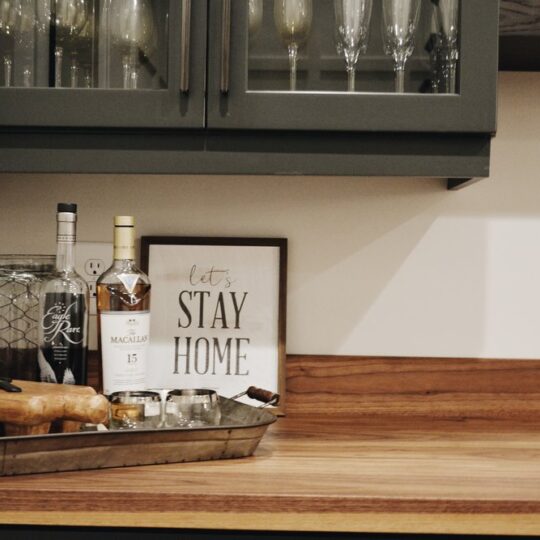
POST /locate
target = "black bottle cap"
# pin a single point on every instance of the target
(67, 207)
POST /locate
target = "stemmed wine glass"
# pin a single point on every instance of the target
(293, 23)
(433, 48)
(30, 18)
(132, 29)
(447, 19)
(255, 16)
(71, 17)
(400, 19)
(352, 32)
(17, 20)
(8, 22)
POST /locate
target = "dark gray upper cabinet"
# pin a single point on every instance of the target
(206, 86)
(75, 77)
(258, 94)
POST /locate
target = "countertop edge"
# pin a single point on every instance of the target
(373, 522)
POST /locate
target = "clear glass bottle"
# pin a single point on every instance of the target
(63, 310)
(123, 302)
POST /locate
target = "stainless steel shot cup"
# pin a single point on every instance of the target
(192, 407)
(135, 410)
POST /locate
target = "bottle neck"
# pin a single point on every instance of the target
(65, 257)
(125, 265)
(65, 243)
(124, 243)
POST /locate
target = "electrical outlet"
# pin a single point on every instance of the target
(93, 291)
(92, 259)
(94, 267)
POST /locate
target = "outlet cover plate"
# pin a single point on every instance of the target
(92, 259)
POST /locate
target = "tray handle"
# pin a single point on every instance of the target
(265, 396)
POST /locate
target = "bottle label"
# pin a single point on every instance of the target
(152, 409)
(125, 336)
(62, 354)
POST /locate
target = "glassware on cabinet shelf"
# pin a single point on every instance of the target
(133, 31)
(339, 40)
(293, 22)
(400, 20)
(255, 16)
(71, 16)
(81, 73)
(433, 49)
(8, 21)
(352, 32)
(447, 20)
(133, 44)
(24, 39)
(24, 27)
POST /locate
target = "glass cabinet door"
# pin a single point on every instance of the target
(92, 63)
(362, 65)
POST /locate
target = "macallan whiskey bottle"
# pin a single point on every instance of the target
(123, 303)
(63, 310)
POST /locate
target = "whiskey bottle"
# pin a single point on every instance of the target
(63, 310)
(123, 302)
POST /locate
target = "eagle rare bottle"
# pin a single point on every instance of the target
(123, 303)
(63, 310)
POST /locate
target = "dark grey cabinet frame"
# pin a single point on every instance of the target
(57, 107)
(472, 111)
(204, 131)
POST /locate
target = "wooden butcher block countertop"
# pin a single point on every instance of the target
(369, 445)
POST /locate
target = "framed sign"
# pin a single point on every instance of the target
(218, 313)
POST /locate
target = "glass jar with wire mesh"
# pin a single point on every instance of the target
(20, 280)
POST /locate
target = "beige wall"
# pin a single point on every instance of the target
(376, 266)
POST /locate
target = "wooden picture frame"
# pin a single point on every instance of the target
(218, 313)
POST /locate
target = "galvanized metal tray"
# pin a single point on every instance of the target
(238, 435)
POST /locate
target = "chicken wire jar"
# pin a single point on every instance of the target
(20, 280)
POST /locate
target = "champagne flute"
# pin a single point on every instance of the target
(447, 18)
(43, 15)
(8, 22)
(27, 22)
(132, 29)
(82, 71)
(42, 24)
(352, 32)
(255, 16)
(20, 20)
(400, 19)
(71, 17)
(293, 22)
(433, 48)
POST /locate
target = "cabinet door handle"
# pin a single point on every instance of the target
(185, 45)
(225, 45)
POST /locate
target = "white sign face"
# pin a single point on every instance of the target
(214, 317)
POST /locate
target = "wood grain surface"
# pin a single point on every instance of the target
(426, 387)
(519, 43)
(353, 454)
(356, 474)
(520, 17)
